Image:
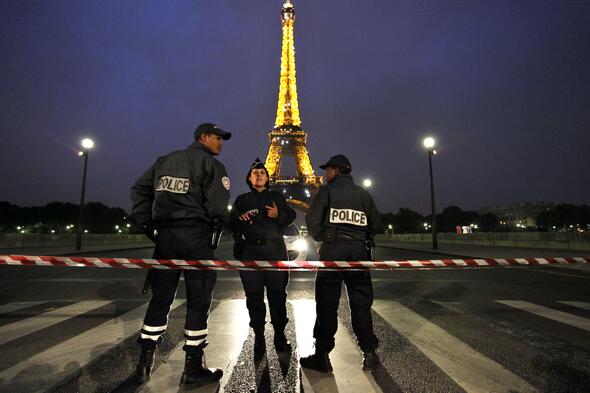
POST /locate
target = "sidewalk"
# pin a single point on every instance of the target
(477, 251)
(70, 250)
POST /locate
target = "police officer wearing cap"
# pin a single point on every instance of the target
(345, 219)
(180, 200)
(257, 220)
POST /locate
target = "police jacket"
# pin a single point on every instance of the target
(184, 184)
(344, 210)
(262, 227)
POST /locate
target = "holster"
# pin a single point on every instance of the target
(370, 246)
(147, 282)
(330, 235)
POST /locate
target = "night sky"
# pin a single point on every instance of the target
(504, 86)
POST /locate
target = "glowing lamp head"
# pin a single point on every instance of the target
(300, 245)
(367, 183)
(87, 143)
(429, 142)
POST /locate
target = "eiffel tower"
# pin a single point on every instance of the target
(287, 138)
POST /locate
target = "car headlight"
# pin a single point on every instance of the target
(300, 245)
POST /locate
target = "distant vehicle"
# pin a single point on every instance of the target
(296, 243)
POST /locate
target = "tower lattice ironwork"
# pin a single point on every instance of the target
(287, 138)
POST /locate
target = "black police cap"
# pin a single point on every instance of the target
(337, 161)
(210, 128)
(257, 164)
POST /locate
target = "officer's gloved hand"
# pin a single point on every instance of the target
(150, 231)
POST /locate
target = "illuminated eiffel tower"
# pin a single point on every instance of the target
(287, 139)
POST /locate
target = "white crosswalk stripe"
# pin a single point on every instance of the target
(582, 305)
(471, 370)
(45, 369)
(549, 313)
(346, 358)
(31, 325)
(11, 307)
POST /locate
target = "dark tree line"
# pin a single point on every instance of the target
(561, 217)
(409, 221)
(59, 217)
(564, 216)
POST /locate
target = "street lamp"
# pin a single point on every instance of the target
(367, 183)
(87, 144)
(429, 144)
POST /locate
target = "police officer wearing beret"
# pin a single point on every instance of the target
(345, 219)
(257, 220)
(180, 200)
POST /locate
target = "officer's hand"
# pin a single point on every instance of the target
(272, 211)
(246, 217)
(150, 231)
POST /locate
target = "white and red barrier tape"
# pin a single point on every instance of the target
(138, 263)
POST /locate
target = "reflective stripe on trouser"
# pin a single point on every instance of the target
(152, 332)
(195, 338)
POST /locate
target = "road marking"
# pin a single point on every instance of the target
(546, 312)
(23, 327)
(228, 329)
(346, 358)
(468, 368)
(582, 305)
(546, 269)
(45, 369)
(10, 307)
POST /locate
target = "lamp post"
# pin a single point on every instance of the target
(87, 144)
(429, 144)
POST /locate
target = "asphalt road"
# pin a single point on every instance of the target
(440, 330)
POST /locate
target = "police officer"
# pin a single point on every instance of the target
(345, 219)
(183, 196)
(257, 220)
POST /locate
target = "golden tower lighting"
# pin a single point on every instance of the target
(287, 138)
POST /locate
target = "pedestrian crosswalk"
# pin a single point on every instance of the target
(461, 362)
(559, 316)
(30, 325)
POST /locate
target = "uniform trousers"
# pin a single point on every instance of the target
(275, 283)
(186, 242)
(359, 289)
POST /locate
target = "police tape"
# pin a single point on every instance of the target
(141, 263)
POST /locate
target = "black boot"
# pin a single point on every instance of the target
(281, 342)
(259, 342)
(370, 360)
(196, 373)
(319, 361)
(145, 364)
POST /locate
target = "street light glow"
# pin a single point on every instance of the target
(87, 143)
(429, 142)
(367, 183)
